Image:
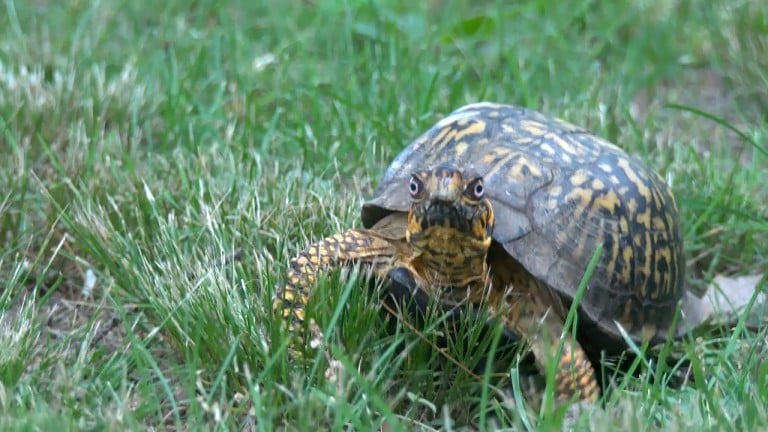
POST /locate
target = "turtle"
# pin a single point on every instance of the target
(506, 207)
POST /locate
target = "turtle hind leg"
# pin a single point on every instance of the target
(574, 375)
(533, 318)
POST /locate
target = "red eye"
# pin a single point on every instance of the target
(477, 188)
(415, 186)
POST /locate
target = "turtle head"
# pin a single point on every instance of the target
(448, 210)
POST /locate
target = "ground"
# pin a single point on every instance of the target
(146, 144)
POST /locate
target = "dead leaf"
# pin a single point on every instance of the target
(726, 299)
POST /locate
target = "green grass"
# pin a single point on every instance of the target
(145, 143)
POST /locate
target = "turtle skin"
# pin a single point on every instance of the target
(552, 195)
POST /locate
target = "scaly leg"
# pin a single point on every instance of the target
(532, 317)
(372, 248)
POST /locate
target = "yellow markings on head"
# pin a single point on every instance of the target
(447, 227)
(479, 228)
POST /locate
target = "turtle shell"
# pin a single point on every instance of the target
(559, 193)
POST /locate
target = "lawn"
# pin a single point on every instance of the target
(144, 143)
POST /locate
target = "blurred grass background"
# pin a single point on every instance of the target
(145, 142)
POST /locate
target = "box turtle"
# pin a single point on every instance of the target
(505, 206)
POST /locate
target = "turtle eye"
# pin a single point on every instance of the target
(476, 189)
(415, 186)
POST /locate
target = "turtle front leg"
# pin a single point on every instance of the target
(356, 246)
(534, 319)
